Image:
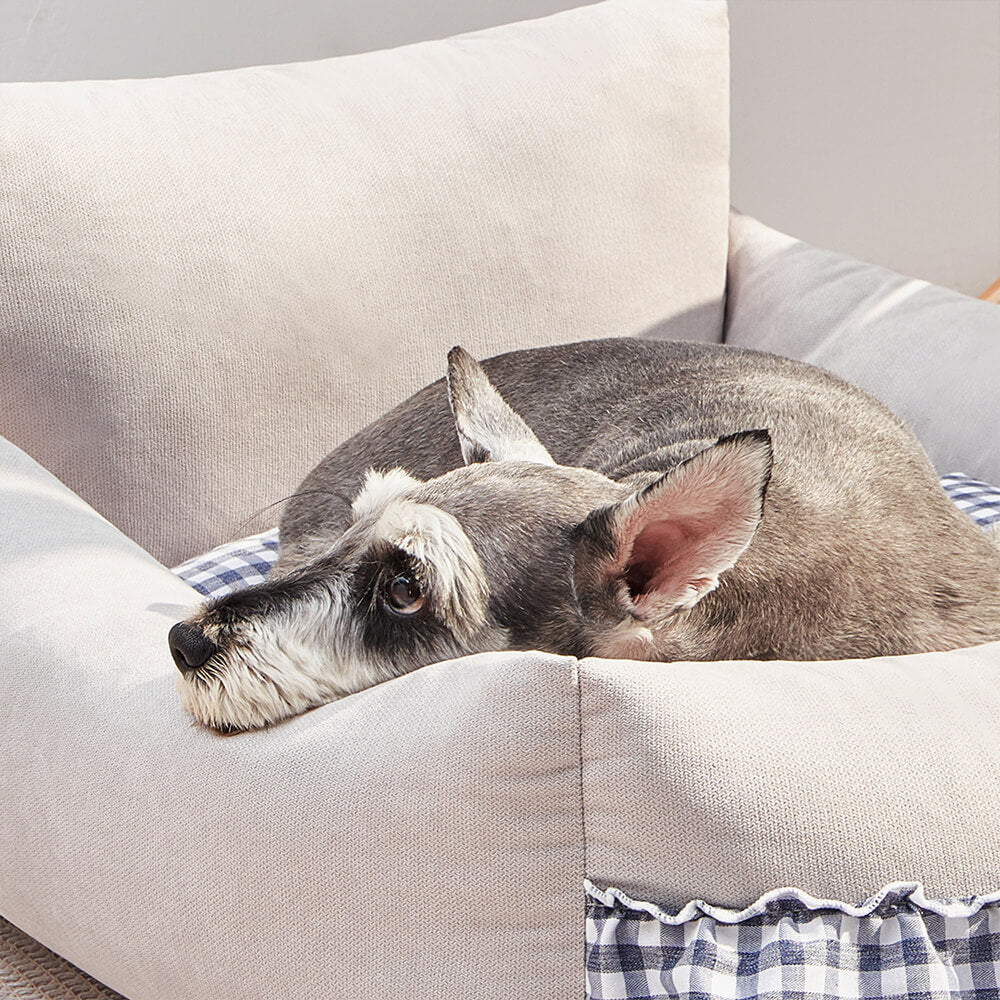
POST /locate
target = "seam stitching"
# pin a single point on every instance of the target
(579, 729)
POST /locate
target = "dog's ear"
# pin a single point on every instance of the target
(664, 548)
(488, 429)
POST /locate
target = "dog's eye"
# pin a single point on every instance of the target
(403, 595)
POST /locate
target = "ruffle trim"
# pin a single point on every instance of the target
(905, 896)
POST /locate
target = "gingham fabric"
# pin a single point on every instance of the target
(232, 566)
(897, 944)
(979, 500)
(239, 564)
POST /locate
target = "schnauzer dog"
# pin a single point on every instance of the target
(674, 501)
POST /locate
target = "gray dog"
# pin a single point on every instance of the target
(679, 502)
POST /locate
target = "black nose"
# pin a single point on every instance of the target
(189, 646)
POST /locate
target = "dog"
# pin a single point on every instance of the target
(612, 498)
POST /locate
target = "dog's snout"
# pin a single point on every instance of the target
(189, 646)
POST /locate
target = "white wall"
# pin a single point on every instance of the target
(76, 39)
(869, 126)
(873, 127)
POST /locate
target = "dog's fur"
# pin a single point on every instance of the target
(679, 502)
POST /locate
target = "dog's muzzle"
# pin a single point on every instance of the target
(190, 647)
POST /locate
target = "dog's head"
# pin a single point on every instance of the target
(511, 551)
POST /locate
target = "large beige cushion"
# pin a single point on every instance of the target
(209, 281)
(420, 840)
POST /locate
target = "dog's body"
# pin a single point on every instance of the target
(680, 501)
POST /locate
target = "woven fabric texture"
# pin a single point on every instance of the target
(211, 280)
(171, 862)
(981, 501)
(232, 566)
(897, 944)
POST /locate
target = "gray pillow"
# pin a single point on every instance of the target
(932, 355)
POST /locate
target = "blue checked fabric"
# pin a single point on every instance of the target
(239, 564)
(897, 944)
(979, 500)
(232, 566)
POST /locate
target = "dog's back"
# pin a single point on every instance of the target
(859, 552)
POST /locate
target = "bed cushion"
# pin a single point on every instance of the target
(421, 839)
(724, 781)
(929, 353)
(212, 280)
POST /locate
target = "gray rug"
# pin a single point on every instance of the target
(29, 971)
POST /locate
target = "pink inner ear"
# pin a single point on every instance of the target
(670, 562)
(677, 556)
(654, 553)
(692, 525)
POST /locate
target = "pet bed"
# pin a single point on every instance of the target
(211, 280)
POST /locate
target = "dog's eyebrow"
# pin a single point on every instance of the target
(380, 489)
(454, 572)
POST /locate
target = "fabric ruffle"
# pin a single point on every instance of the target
(790, 945)
(893, 898)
